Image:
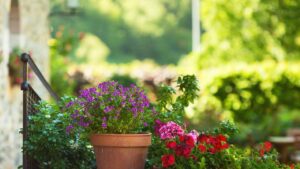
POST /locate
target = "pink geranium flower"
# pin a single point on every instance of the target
(170, 130)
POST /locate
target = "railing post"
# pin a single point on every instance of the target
(30, 97)
(24, 88)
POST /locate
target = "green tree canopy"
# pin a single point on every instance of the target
(250, 30)
(133, 29)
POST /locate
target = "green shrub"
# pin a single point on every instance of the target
(49, 144)
(252, 95)
(124, 80)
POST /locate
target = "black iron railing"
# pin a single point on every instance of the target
(30, 97)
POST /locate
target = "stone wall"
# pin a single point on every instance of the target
(5, 137)
(34, 34)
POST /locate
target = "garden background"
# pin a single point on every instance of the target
(248, 65)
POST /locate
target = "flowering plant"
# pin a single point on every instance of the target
(175, 148)
(207, 150)
(15, 67)
(109, 108)
(182, 149)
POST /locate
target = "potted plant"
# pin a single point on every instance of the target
(15, 67)
(113, 117)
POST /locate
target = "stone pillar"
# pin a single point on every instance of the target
(8, 159)
(33, 38)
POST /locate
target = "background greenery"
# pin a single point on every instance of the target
(248, 66)
(132, 29)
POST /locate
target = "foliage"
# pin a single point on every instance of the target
(173, 109)
(171, 106)
(61, 49)
(153, 28)
(124, 80)
(109, 108)
(250, 93)
(49, 144)
(15, 67)
(249, 31)
(210, 149)
(173, 147)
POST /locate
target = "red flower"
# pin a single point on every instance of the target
(262, 152)
(181, 138)
(194, 157)
(225, 146)
(211, 140)
(202, 138)
(171, 144)
(222, 138)
(212, 150)
(188, 140)
(292, 166)
(186, 152)
(167, 160)
(267, 146)
(182, 150)
(216, 143)
(202, 148)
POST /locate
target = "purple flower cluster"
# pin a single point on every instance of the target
(170, 130)
(108, 102)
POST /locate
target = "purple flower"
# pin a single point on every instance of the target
(104, 124)
(92, 90)
(75, 114)
(116, 102)
(71, 103)
(82, 122)
(108, 109)
(134, 111)
(145, 124)
(69, 128)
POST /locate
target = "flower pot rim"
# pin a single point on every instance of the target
(121, 140)
(123, 135)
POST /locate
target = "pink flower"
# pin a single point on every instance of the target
(170, 130)
(194, 135)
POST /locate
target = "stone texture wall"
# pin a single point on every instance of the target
(34, 35)
(5, 137)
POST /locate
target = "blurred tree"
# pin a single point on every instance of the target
(255, 96)
(250, 30)
(134, 29)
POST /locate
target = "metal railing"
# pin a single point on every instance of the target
(30, 98)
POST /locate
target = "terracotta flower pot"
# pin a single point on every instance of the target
(121, 151)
